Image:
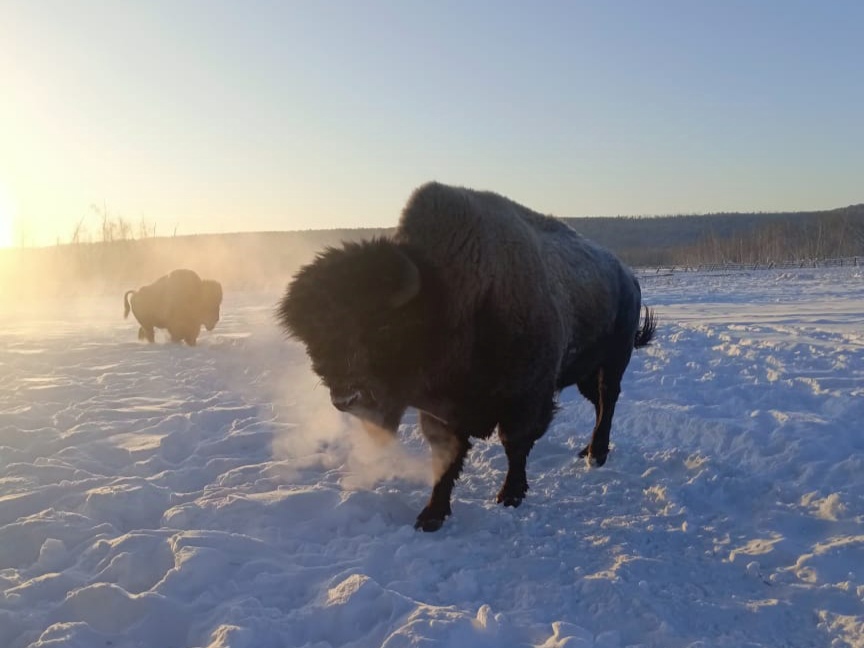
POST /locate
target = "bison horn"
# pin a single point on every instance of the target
(409, 285)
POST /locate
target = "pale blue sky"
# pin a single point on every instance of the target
(212, 116)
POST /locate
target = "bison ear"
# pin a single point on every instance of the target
(408, 286)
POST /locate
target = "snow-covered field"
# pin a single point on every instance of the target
(164, 496)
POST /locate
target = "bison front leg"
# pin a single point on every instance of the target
(518, 431)
(448, 455)
(184, 332)
(382, 426)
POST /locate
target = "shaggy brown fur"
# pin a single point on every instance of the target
(477, 312)
(179, 302)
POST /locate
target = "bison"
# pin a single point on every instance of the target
(476, 312)
(179, 302)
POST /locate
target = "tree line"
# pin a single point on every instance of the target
(119, 253)
(757, 238)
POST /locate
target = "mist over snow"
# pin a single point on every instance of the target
(210, 497)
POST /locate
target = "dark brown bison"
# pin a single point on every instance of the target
(179, 302)
(476, 312)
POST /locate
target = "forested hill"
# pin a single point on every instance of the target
(270, 258)
(688, 238)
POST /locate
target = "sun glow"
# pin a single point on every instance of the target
(7, 220)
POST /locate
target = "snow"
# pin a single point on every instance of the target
(210, 497)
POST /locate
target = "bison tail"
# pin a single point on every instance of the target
(126, 303)
(646, 332)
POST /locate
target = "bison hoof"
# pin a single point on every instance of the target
(430, 519)
(594, 459)
(428, 525)
(597, 460)
(510, 500)
(512, 496)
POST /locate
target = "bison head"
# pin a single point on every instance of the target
(362, 312)
(211, 300)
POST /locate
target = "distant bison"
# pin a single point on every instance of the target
(476, 312)
(179, 302)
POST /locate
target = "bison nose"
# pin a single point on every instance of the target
(344, 402)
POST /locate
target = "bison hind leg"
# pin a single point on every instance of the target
(589, 387)
(518, 431)
(146, 334)
(602, 390)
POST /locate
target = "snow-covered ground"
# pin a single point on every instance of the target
(164, 496)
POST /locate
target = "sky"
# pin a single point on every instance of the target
(217, 116)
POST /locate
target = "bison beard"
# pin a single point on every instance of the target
(477, 312)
